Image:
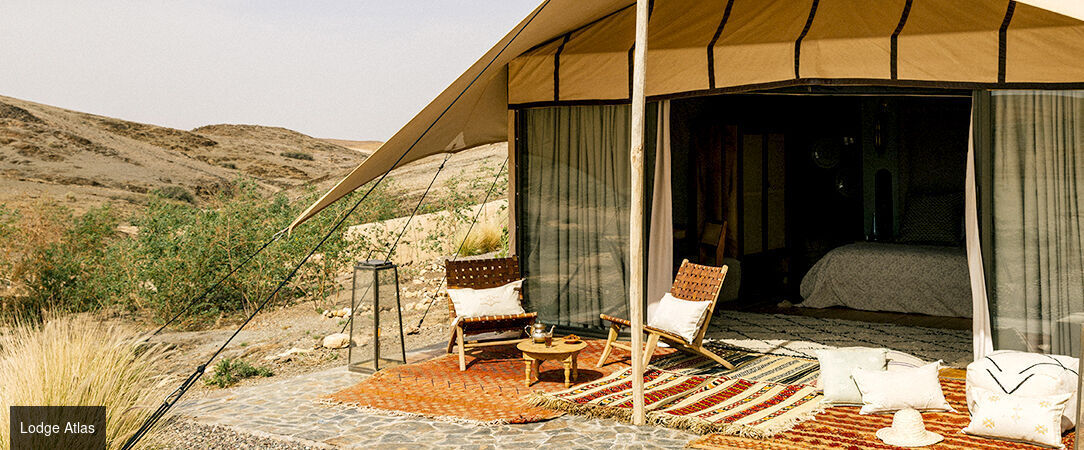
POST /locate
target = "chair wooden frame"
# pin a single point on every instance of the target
(483, 274)
(694, 282)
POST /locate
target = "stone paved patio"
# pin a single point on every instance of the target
(289, 409)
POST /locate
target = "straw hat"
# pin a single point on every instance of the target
(908, 430)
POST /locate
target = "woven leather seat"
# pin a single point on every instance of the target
(693, 282)
(483, 274)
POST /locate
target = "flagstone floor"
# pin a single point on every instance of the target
(289, 410)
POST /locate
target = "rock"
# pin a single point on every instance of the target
(288, 355)
(413, 330)
(337, 340)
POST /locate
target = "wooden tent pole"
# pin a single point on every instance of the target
(636, 222)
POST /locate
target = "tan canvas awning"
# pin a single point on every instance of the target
(571, 51)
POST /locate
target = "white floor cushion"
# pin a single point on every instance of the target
(1035, 420)
(498, 301)
(890, 391)
(1028, 375)
(681, 317)
(836, 366)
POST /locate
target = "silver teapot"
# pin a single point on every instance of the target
(537, 332)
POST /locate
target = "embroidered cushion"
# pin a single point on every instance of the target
(836, 366)
(681, 317)
(902, 388)
(1035, 420)
(498, 301)
(1027, 375)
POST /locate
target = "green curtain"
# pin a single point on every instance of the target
(574, 202)
(1036, 165)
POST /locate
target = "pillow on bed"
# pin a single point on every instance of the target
(933, 219)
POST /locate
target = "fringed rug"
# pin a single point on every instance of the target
(491, 390)
(802, 336)
(771, 395)
(843, 428)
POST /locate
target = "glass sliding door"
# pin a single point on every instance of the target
(1032, 175)
(574, 211)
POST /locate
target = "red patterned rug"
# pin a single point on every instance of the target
(491, 390)
(843, 428)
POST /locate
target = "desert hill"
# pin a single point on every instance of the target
(85, 159)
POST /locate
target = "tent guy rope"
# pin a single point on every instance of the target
(214, 286)
(477, 214)
(174, 397)
(406, 226)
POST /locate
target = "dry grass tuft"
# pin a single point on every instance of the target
(483, 238)
(69, 360)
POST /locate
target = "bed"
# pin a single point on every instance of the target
(906, 278)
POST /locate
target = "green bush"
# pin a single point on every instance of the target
(229, 372)
(297, 155)
(51, 259)
(178, 193)
(54, 260)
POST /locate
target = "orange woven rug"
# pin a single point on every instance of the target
(843, 428)
(491, 390)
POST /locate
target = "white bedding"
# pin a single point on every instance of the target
(891, 277)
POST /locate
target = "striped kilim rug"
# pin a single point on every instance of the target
(843, 428)
(764, 395)
(491, 390)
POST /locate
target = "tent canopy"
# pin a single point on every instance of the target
(569, 51)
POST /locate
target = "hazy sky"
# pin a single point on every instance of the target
(353, 69)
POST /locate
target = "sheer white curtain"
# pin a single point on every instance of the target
(980, 319)
(660, 248)
(1037, 263)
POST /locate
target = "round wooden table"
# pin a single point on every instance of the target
(535, 354)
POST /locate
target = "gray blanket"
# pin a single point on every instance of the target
(891, 277)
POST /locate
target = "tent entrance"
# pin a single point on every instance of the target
(800, 178)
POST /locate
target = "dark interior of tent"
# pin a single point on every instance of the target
(832, 202)
(826, 202)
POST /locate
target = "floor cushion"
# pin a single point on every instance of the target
(1028, 375)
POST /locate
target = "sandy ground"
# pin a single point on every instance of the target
(302, 328)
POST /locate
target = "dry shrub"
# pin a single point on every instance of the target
(76, 361)
(483, 238)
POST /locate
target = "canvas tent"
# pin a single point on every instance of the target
(1020, 59)
(579, 51)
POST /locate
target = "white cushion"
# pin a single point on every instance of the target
(892, 390)
(681, 317)
(836, 366)
(1027, 375)
(1035, 420)
(498, 301)
(898, 360)
(894, 360)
